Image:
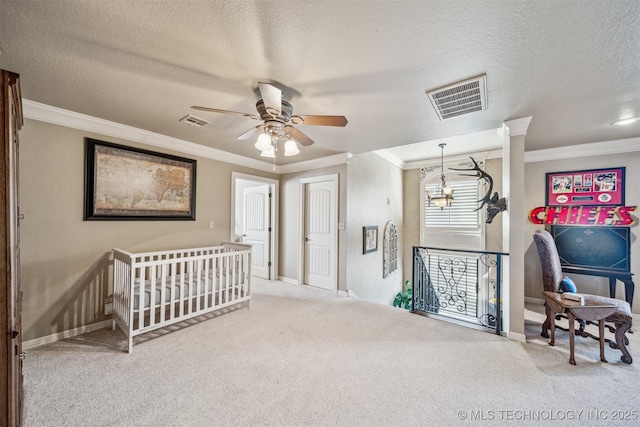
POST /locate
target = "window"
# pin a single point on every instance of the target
(461, 214)
(459, 226)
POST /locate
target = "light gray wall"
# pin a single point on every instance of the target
(371, 181)
(289, 262)
(65, 261)
(535, 196)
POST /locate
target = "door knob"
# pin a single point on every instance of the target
(306, 239)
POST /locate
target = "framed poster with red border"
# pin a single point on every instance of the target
(586, 187)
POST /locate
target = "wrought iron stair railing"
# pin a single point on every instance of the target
(463, 285)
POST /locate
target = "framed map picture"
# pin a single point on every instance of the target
(124, 183)
(586, 187)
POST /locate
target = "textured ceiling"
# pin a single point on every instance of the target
(571, 65)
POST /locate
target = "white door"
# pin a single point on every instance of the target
(256, 226)
(320, 235)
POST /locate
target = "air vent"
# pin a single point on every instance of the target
(194, 121)
(459, 98)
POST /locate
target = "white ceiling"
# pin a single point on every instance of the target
(572, 65)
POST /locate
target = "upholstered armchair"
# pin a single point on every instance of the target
(552, 277)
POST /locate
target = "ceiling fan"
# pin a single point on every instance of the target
(277, 117)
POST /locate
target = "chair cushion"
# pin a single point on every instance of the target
(567, 285)
(623, 306)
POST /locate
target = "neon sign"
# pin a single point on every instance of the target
(583, 215)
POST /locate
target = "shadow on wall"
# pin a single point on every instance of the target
(81, 305)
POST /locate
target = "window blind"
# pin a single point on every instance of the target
(462, 212)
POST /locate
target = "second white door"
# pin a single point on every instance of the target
(256, 226)
(320, 223)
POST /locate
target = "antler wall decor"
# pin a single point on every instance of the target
(495, 204)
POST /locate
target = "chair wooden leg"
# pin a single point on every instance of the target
(601, 339)
(546, 324)
(622, 326)
(572, 336)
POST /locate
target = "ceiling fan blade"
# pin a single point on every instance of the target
(235, 113)
(252, 132)
(272, 98)
(298, 136)
(320, 120)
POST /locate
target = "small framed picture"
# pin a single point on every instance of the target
(369, 239)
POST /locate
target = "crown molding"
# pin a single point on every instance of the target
(454, 160)
(516, 126)
(58, 116)
(583, 150)
(323, 162)
(391, 158)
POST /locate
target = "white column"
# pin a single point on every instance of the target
(514, 132)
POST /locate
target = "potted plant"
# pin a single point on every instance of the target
(404, 298)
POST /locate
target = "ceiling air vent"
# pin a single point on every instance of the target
(194, 121)
(459, 98)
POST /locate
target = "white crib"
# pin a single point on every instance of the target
(152, 290)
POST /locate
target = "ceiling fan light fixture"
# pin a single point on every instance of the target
(291, 148)
(271, 154)
(276, 114)
(264, 143)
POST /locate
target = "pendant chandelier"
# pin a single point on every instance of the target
(445, 193)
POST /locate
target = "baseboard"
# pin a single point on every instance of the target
(343, 293)
(531, 300)
(288, 280)
(37, 342)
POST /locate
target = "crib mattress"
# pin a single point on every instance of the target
(188, 289)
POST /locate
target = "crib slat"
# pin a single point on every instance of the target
(239, 275)
(234, 266)
(163, 291)
(141, 298)
(220, 275)
(152, 295)
(172, 292)
(190, 286)
(182, 275)
(226, 279)
(198, 282)
(207, 281)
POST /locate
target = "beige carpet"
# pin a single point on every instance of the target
(306, 356)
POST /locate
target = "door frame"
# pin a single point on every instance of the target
(274, 185)
(303, 186)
